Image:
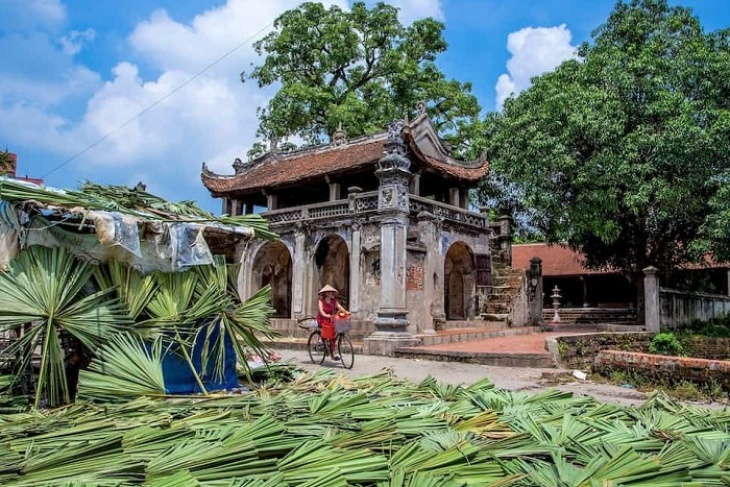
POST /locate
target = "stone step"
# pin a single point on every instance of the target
(470, 324)
(466, 334)
(533, 360)
(590, 315)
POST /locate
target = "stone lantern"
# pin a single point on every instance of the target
(556, 303)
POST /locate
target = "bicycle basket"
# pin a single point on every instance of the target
(342, 324)
(308, 323)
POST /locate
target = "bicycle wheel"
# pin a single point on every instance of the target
(316, 348)
(346, 351)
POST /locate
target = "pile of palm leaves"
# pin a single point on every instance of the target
(130, 201)
(124, 320)
(375, 431)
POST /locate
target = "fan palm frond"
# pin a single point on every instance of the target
(241, 323)
(44, 293)
(135, 290)
(127, 366)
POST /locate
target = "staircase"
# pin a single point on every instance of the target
(590, 316)
(506, 284)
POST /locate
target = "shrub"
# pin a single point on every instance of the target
(666, 344)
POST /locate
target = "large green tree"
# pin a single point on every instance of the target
(359, 68)
(621, 150)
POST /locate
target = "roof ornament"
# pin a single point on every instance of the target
(238, 165)
(339, 137)
(395, 131)
(395, 155)
(420, 107)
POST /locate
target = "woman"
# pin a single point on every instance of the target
(328, 308)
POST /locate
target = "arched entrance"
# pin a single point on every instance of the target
(332, 262)
(273, 266)
(458, 281)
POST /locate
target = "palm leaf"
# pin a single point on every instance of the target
(126, 367)
(45, 287)
(135, 290)
(241, 323)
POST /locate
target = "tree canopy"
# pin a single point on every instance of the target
(360, 69)
(624, 152)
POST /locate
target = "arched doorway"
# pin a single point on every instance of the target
(273, 266)
(332, 262)
(458, 281)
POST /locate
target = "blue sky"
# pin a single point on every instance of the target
(75, 71)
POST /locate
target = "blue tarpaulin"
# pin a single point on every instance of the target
(179, 379)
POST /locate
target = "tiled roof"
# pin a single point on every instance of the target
(461, 172)
(561, 261)
(556, 260)
(282, 169)
(296, 167)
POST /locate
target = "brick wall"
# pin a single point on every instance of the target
(709, 348)
(579, 351)
(661, 369)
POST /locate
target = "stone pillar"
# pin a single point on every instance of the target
(534, 291)
(271, 202)
(652, 309)
(334, 191)
(728, 283)
(393, 173)
(355, 272)
(584, 282)
(225, 207)
(416, 184)
(298, 274)
(454, 196)
(505, 240)
(432, 266)
(236, 207)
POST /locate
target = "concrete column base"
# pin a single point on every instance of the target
(386, 344)
(391, 332)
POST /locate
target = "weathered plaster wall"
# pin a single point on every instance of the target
(355, 248)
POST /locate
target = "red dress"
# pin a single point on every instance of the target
(326, 324)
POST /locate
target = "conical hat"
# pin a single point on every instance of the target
(327, 289)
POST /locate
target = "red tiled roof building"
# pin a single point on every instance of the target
(383, 218)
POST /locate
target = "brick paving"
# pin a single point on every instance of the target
(510, 351)
(518, 344)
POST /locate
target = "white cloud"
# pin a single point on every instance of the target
(74, 41)
(51, 12)
(535, 50)
(212, 118)
(173, 45)
(411, 10)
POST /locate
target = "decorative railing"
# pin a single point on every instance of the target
(364, 203)
(447, 212)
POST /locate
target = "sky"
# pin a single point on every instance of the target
(118, 92)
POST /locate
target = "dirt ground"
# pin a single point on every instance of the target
(511, 378)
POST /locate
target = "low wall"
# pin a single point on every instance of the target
(579, 351)
(708, 348)
(660, 369)
(680, 308)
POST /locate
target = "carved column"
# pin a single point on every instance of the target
(355, 272)
(393, 173)
(433, 270)
(299, 271)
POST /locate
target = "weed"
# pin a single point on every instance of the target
(666, 343)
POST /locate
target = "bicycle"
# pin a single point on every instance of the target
(319, 348)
